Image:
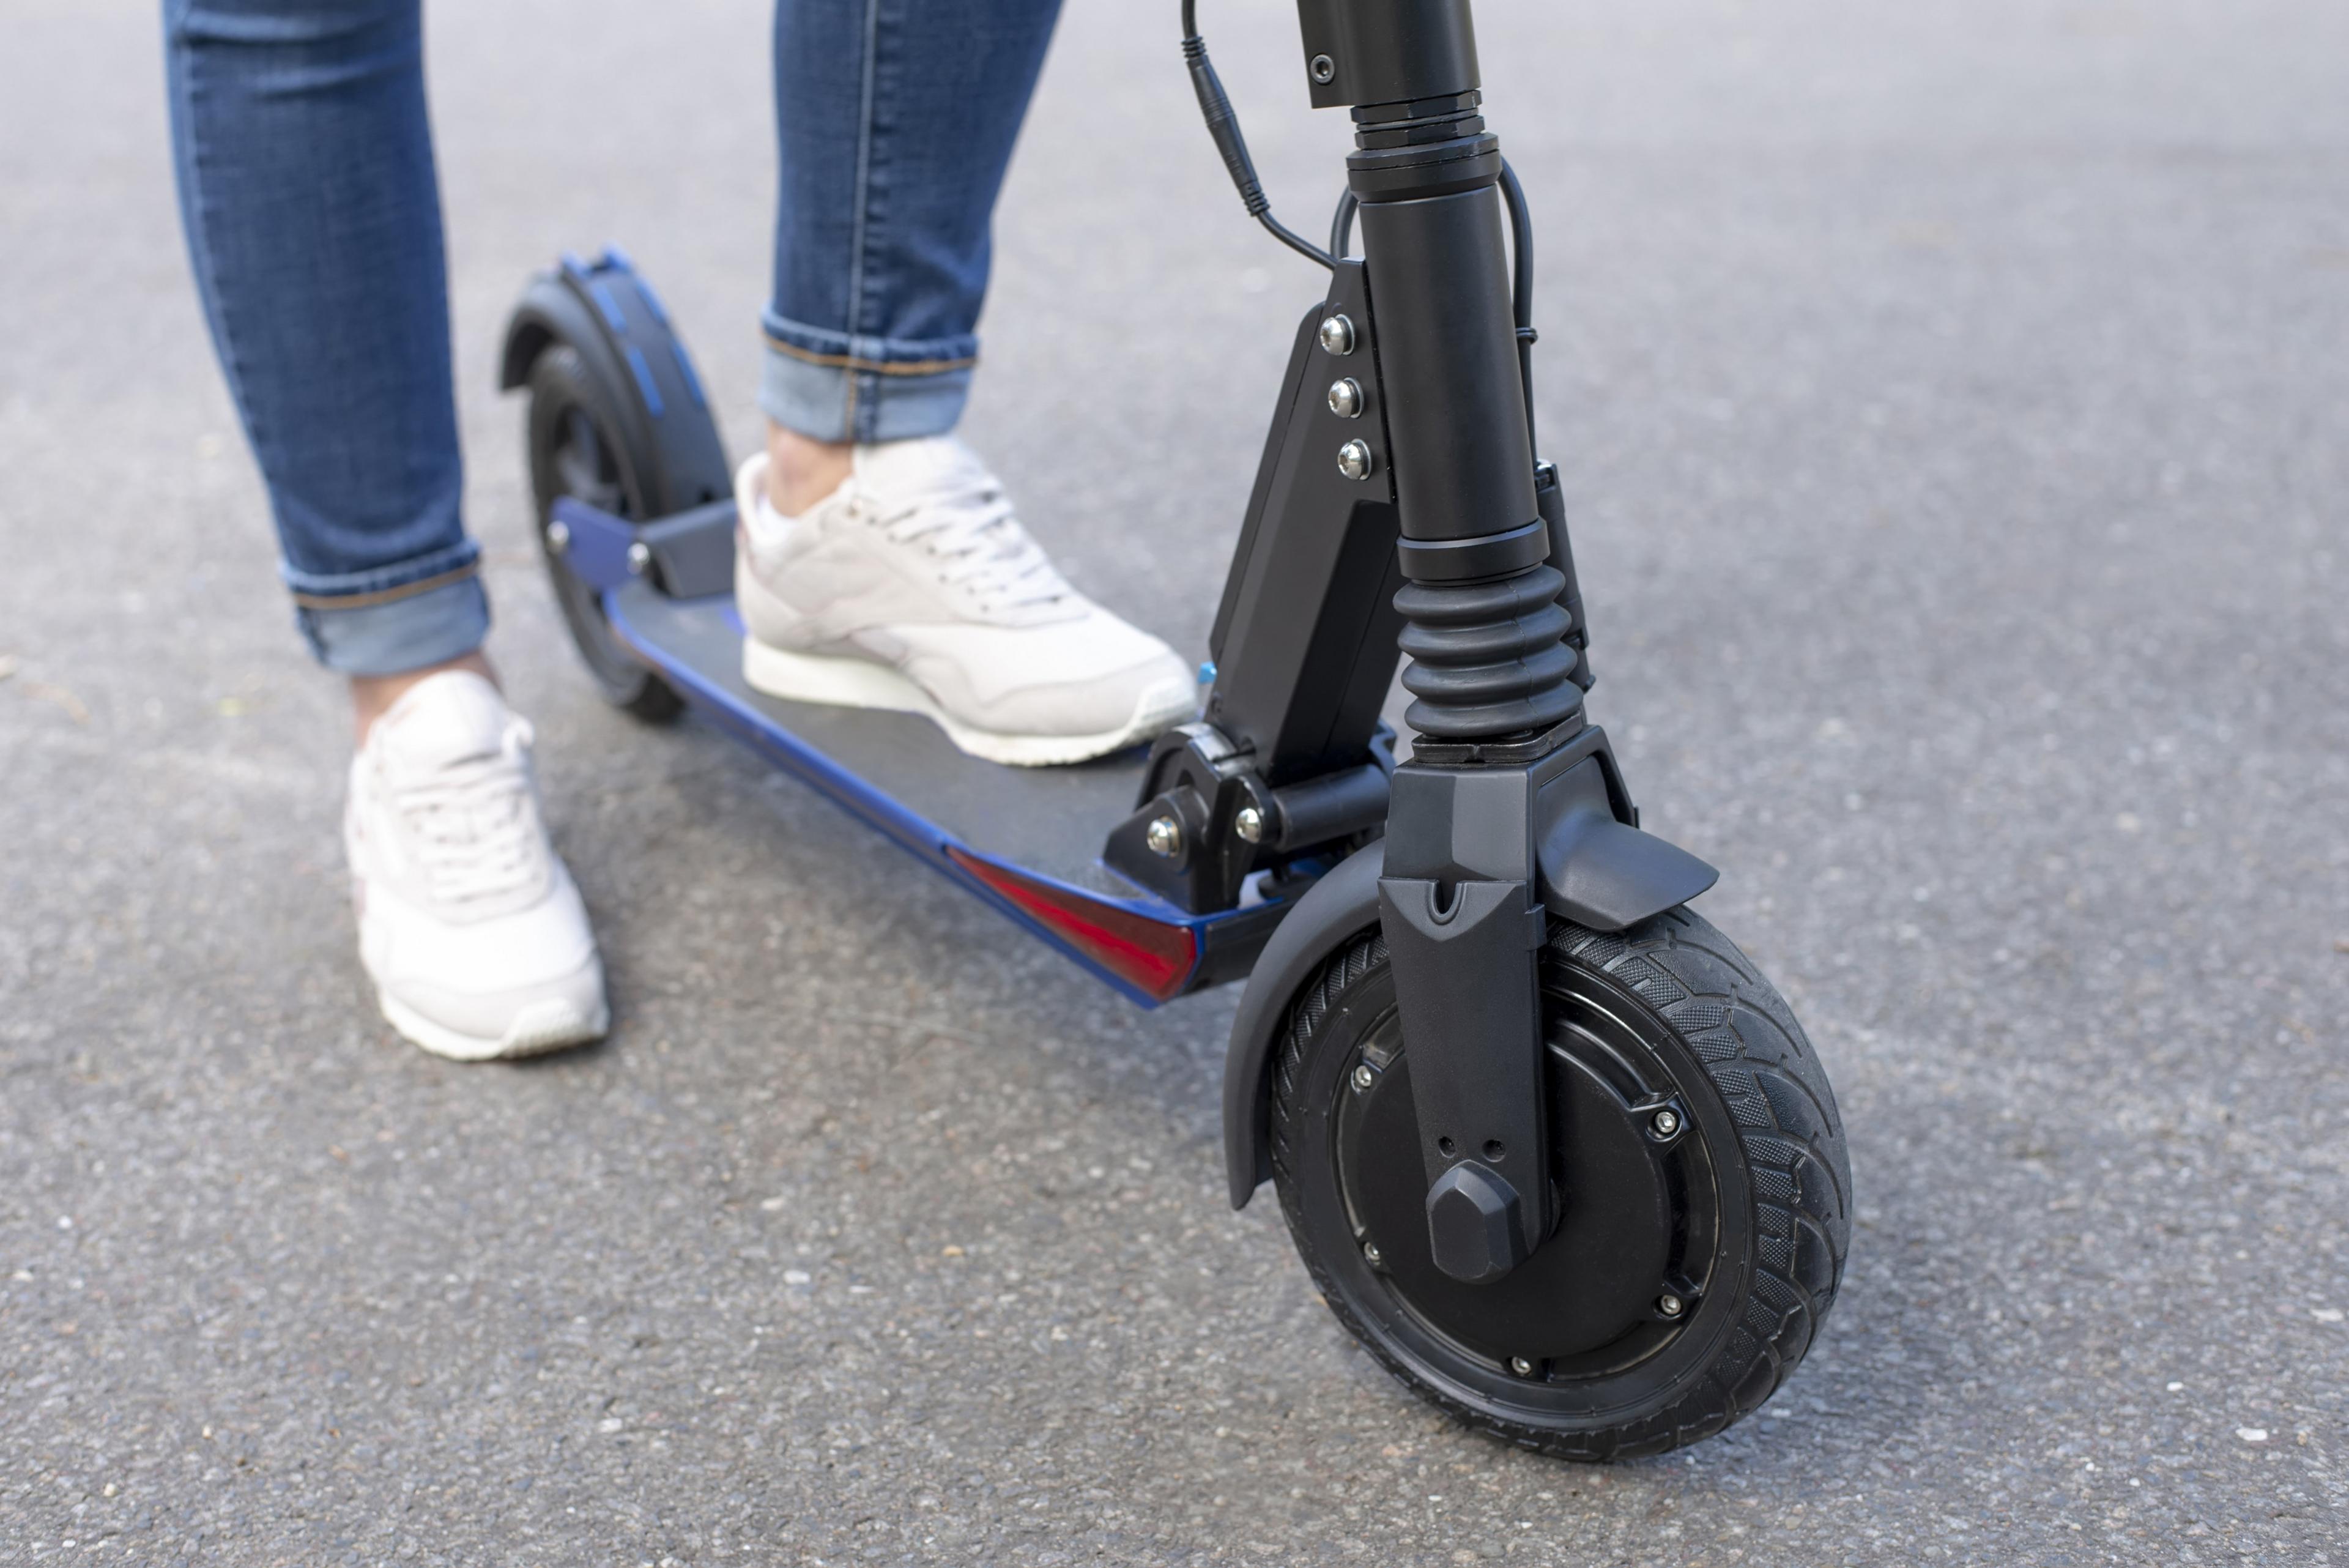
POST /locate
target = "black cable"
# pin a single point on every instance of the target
(1341, 225)
(1521, 234)
(1223, 125)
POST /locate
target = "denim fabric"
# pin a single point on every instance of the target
(306, 184)
(896, 118)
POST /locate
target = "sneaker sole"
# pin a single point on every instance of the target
(536, 1028)
(861, 683)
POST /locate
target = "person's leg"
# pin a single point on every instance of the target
(305, 164)
(895, 121)
(307, 184)
(880, 564)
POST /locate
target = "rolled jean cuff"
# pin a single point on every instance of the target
(427, 621)
(829, 386)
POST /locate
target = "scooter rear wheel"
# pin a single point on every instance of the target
(579, 448)
(1702, 1188)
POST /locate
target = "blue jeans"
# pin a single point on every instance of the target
(313, 214)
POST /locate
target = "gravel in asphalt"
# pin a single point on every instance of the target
(1954, 409)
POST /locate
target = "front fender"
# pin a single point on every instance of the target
(1333, 911)
(1595, 869)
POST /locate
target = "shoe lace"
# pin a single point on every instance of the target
(472, 825)
(981, 548)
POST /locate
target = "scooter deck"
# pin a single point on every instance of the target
(1026, 840)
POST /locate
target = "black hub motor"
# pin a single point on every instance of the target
(1698, 1188)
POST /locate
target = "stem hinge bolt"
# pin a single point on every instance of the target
(1346, 398)
(1164, 836)
(1249, 823)
(1337, 335)
(1354, 459)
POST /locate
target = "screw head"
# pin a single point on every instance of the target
(558, 537)
(1371, 1255)
(1164, 836)
(1337, 335)
(1670, 1306)
(1249, 823)
(1346, 398)
(1364, 1076)
(1666, 1123)
(1521, 1366)
(1354, 459)
(640, 559)
(1323, 68)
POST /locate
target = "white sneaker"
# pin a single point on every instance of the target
(912, 586)
(468, 924)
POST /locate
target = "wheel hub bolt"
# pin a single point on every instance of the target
(1249, 824)
(1666, 1122)
(1164, 836)
(1521, 1366)
(1671, 1306)
(1364, 1076)
(1371, 1255)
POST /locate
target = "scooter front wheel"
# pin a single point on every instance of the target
(1700, 1177)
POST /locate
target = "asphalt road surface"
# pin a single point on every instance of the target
(1954, 403)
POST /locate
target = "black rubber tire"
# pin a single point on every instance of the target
(1772, 1144)
(578, 446)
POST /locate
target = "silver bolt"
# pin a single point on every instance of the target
(1324, 68)
(1371, 1255)
(558, 537)
(1164, 836)
(1521, 1366)
(1671, 1306)
(1337, 335)
(1354, 459)
(1666, 1122)
(1346, 399)
(1364, 1076)
(640, 559)
(1249, 824)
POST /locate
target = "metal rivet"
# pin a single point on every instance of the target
(1164, 836)
(1371, 1255)
(1337, 335)
(1354, 459)
(1364, 1076)
(1324, 69)
(1521, 1366)
(640, 559)
(1346, 399)
(1666, 1122)
(558, 537)
(1249, 824)
(1671, 1306)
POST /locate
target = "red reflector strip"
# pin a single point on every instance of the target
(1149, 955)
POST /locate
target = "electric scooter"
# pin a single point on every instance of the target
(1547, 1143)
